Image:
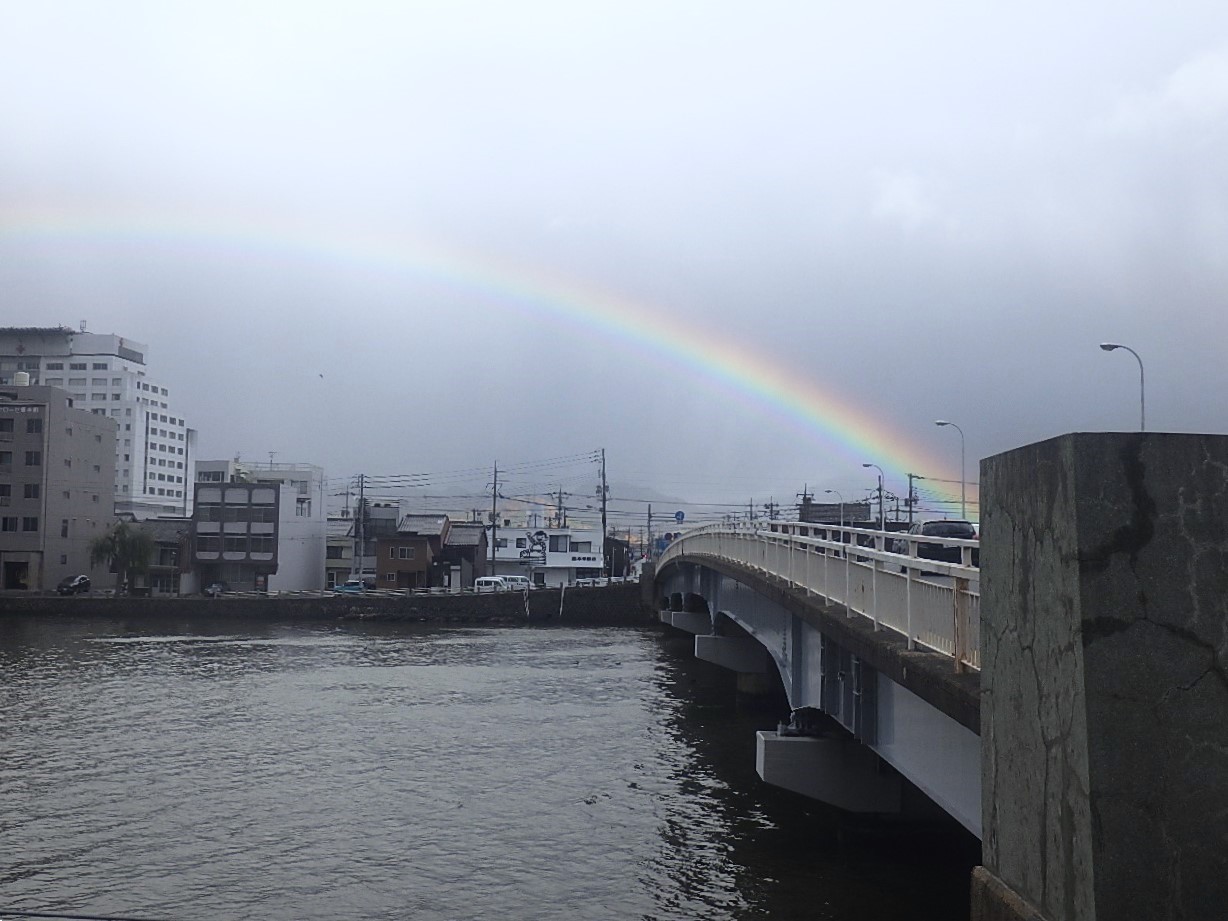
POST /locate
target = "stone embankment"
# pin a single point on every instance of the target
(612, 605)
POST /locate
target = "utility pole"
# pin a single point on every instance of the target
(359, 543)
(494, 516)
(911, 502)
(606, 558)
(650, 553)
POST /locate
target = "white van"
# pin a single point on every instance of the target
(489, 584)
(517, 583)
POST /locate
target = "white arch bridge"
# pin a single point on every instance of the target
(857, 624)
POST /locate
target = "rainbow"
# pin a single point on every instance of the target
(793, 399)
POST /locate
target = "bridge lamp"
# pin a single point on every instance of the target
(963, 497)
(840, 496)
(1142, 396)
(882, 521)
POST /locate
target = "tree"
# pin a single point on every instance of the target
(126, 549)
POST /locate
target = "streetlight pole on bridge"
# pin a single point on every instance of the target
(1142, 395)
(882, 521)
(839, 496)
(963, 479)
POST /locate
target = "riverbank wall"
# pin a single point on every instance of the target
(606, 605)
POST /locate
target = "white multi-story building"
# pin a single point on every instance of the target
(237, 542)
(548, 556)
(107, 375)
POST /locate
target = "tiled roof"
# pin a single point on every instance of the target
(165, 530)
(465, 535)
(423, 525)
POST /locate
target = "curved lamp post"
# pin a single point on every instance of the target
(1142, 394)
(882, 524)
(839, 496)
(963, 496)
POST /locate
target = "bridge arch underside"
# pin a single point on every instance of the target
(881, 702)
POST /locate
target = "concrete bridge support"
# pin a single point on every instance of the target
(1104, 720)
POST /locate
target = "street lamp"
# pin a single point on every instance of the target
(840, 496)
(882, 521)
(1142, 396)
(963, 496)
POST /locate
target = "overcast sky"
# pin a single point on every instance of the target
(331, 223)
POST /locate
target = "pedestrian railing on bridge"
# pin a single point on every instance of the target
(934, 603)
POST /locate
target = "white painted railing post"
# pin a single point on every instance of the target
(960, 606)
(878, 545)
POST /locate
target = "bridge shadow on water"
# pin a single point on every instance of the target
(794, 857)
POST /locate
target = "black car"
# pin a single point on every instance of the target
(213, 589)
(73, 585)
(948, 528)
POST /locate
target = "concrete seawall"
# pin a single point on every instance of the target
(614, 605)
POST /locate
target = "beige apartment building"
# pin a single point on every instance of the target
(57, 480)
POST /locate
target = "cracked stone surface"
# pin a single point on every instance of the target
(1104, 718)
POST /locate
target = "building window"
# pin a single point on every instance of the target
(34, 426)
(63, 527)
(334, 553)
(390, 577)
(76, 366)
(55, 366)
(500, 543)
(76, 382)
(558, 543)
(8, 524)
(236, 544)
(67, 494)
(32, 490)
(392, 553)
(98, 381)
(34, 458)
(6, 458)
(521, 543)
(262, 545)
(6, 492)
(63, 559)
(29, 524)
(55, 382)
(100, 366)
(406, 553)
(117, 382)
(6, 425)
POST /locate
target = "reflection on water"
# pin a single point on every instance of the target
(216, 770)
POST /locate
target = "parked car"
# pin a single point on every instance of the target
(948, 528)
(351, 586)
(518, 583)
(73, 585)
(213, 589)
(490, 584)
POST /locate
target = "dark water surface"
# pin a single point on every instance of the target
(230, 770)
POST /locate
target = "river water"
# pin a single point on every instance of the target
(216, 770)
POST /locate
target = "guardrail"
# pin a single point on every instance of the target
(861, 570)
(595, 582)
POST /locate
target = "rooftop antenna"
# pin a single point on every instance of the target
(82, 326)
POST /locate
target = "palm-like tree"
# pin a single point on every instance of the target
(126, 549)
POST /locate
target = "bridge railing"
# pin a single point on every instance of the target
(880, 575)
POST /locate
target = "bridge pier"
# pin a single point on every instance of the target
(838, 771)
(1104, 627)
